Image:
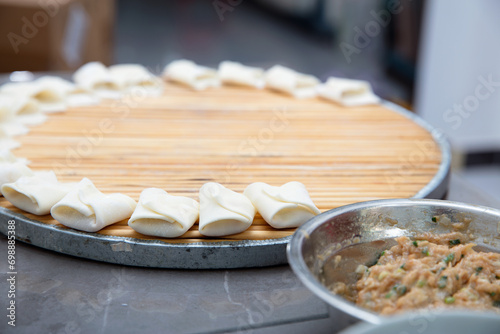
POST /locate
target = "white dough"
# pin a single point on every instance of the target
(6, 156)
(7, 112)
(13, 128)
(94, 76)
(46, 94)
(53, 88)
(85, 208)
(82, 99)
(71, 94)
(11, 171)
(129, 76)
(114, 82)
(188, 73)
(25, 106)
(348, 92)
(97, 78)
(238, 74)
(36, 194)
(31, 119)
(26, 89)
(48, 91)
(9, 144)
(282, 207)
(163, 215)
(223, 211)
(291, 82)
(12, 106)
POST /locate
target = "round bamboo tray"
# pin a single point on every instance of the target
(234, 136)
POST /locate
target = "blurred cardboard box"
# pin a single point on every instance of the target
(44, 35)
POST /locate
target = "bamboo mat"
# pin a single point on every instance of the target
(234, 136)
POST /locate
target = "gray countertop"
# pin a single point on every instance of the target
(56, 293)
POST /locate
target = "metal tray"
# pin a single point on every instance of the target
(202, 255)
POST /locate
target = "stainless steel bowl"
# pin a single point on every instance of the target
(329, 247)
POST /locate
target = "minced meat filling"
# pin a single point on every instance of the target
(431, 271)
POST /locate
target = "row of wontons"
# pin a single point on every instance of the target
(347, 92)
(110, 82)
(220, 211)
(93, 82)
(25, 103)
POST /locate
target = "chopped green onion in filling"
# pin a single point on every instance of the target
(421, 283)
(449, 258)
(401, 290)
(449, 300)
(425, 251)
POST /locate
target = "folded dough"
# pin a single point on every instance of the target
(46, 94)
(128, 76)
(48, 91)
(282, 207)
(53, 89)
(188, 73)
(6, 111)
(238, 74)
(8, 143)
(348, 92)
(85, 208)
(163, 215)
(223, 211)
(6, 156)
(291, 82)
(28, 89)
(12, 171)
(95, 77)
(11, 129)
(80, 99)
(16, 111)
(20, 108)
(36, 193)
(69, 93)
(28, 111)
(25, 106)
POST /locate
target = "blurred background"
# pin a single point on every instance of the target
(437, 58)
